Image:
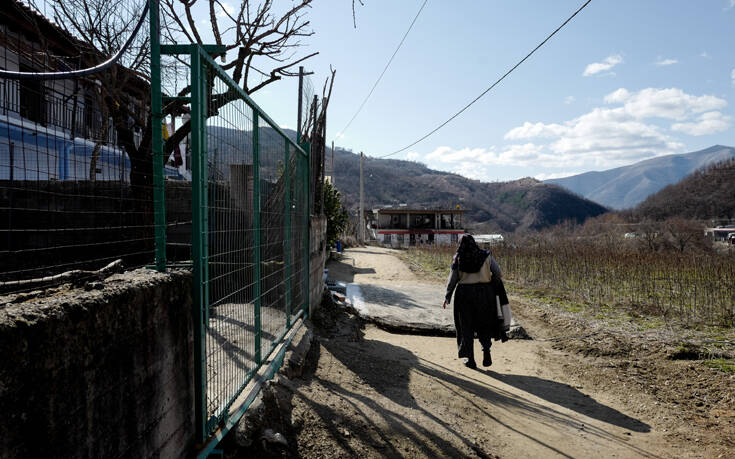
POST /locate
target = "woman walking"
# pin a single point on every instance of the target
(473, 271)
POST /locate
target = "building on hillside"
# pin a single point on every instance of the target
(403, 226)
(720, 233)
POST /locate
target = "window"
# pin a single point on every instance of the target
(32, 101)
(447, 221)
(400, 238)
(422, 221)
(387, 238)
(454, 238)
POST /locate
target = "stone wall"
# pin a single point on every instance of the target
(106, 372)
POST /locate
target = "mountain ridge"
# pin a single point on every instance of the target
(626, 186)
(523, 204)
(705, 194)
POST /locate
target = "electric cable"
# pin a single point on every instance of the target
(384, 69)
(491, 86)
(82, 72)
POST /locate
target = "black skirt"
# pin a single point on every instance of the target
(475, 313)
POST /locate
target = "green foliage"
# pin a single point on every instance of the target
(335, 212)
(724, 365)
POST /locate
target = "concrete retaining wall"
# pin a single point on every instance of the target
(107, 371)
(100, 373)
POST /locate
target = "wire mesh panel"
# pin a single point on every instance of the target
(250, 225)
(75, 167)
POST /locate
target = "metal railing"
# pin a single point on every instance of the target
(249, 238)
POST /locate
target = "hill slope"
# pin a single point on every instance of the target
(625, 187)
(708, 193)
(507, 206)
(501, 206)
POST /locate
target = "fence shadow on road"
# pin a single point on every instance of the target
(387, 369)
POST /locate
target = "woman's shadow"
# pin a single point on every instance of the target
(564, 395)
(366, 357)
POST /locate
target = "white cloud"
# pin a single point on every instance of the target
(555, 175)
(629, 127)
(730, 5)
(412, 155)
(607, 64)
(664, 62)
(339, 135)
(449, 155)
(518, 155)
(732, 76)
(619, 134)
(704, 55)
(617, 96)
(669, 103)
(706, 123)
(284, 126)
(529, 130)
(470, 161)
(569, 99)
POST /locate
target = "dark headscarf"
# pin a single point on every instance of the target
(469, 257)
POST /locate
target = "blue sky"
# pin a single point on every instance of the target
(624, 81)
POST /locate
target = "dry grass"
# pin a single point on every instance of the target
(692, 289)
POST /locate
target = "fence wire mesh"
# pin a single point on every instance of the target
(251, 263)
(78, 186)
(75, 181)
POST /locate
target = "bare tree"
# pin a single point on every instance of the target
(650, 235)
(684, 232)
(314, 129)
(262, 43)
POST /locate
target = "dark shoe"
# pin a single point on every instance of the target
(486, 359)
(470, 364)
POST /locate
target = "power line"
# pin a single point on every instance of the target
(82, 72)
(491, 86)
(384, 70)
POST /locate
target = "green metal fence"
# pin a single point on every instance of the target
(250, 235)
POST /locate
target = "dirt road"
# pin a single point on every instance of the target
(372, 393)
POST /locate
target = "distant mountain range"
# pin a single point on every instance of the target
(525, 204)
(627, 186)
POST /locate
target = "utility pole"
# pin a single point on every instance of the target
(362, 206)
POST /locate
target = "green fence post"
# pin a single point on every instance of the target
(287, 229)
(199, 188)
(159, 203)
(307, 224)
(256, 237)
